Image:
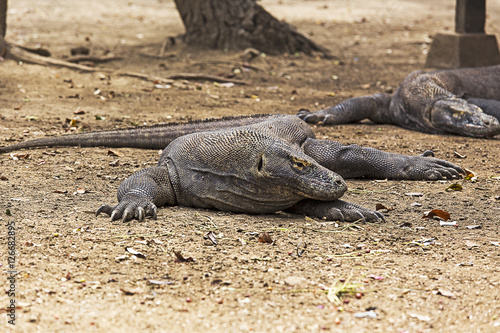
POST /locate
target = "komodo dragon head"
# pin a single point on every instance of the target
(457, 116)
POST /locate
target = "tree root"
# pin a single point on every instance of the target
(20, 54)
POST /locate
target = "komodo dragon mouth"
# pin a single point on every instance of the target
(464, 118)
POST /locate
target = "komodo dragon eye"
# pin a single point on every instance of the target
(299, 163)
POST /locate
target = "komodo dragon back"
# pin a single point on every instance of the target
(147, 137)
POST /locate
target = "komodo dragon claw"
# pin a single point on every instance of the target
(129, 212)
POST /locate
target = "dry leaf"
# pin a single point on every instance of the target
(180, 257)
(457, 154)
(470, 175)
(437, 213)
(471, 244)
(265, 238)
(114, 153)
(210, 235)
(130, 292)
(135, 253)
(454, 187)
(380, 206)
(17, 156)
(446, 293)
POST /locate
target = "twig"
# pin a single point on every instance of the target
(370, 191)
(20, 54)
(144, 76)
(155, 56)
(201, 76)
(144, 235)
(220, 62)
(96, 59)
(329, 231)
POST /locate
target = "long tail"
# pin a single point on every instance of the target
(147, 137)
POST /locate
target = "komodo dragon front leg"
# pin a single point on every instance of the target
(353, 161)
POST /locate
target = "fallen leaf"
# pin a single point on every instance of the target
(473, 226)
(210, 235)
(466, 264)
(471, 244)
(180, 257)
(420, 317)
(2, 177)
(454, 187)
(81, 190)
(17, 156)
(446, 293)
(448, 224)
(79, 111)
(159, 282)
(367, 314)
(114, 153)
(414, 194)
(380, 206)
(437, 213)
(265, 238)
(224, 85)
(130, 292)
(470, 175)
(135, 253)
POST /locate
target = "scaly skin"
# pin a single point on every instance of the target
(460, 101)
(273, 163)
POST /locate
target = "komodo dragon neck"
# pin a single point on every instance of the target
(147, 137)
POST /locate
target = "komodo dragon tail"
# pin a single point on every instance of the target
(147, 137)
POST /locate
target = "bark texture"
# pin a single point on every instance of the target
(3, 17)
(240, 24)
(3, 28)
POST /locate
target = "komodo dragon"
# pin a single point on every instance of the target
(257, 164)
(460, 101)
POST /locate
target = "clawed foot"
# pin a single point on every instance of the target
(336, 211)
(311, 117)
(130, 207)
(431, 168)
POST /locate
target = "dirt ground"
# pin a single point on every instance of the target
(74, 270)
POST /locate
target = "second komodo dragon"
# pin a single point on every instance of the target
(257, 164)
(458, 101)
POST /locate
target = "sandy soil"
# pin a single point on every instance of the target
(75, 273)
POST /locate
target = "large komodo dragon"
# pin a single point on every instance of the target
(257, 164)
(460, 101)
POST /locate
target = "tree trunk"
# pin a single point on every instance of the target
(3, 28)
(240, 24)
(3, 17)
